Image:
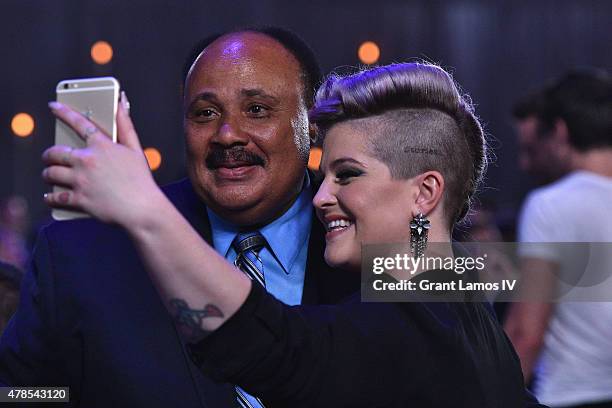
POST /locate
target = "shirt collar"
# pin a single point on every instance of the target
(282, 234)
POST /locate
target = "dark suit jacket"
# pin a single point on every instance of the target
(89, 318)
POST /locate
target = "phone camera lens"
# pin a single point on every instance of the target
(66, 86)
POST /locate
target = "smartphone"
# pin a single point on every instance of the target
(96, 99)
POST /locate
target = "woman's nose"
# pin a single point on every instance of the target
(325, 196)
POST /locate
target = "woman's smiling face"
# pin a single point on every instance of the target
(359, 202)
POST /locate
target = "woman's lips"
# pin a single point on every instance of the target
(333, 233)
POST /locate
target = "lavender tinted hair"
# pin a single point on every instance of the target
(417, 121)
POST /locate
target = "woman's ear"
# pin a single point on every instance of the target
(430, 189)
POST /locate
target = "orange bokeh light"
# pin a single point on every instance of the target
(314, 161)
(101, 52)
(154, 158)
(22, 124)
(368, 52)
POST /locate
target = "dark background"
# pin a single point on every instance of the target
(497, 51)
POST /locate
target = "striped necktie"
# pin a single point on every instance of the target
(247, 247)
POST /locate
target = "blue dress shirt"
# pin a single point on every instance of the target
(287, 236)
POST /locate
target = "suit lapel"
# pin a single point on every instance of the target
(322, 283)
(191, 207)
(315, 265)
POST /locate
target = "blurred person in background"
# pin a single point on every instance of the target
(14, 222)
(543, 150)
(566, 347)
(10, 278)
(482, 226)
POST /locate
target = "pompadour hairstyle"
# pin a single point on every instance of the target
(419, 121)
(310, 69)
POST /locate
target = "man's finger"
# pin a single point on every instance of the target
(126, 134)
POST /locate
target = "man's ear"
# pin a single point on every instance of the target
(430, 189)
(560, 133)
(559, 145)
(313, 133)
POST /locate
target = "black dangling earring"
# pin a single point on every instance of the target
(418, 235)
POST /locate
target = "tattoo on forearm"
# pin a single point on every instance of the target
(190, 320)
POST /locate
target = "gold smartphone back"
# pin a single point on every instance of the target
(95, 98)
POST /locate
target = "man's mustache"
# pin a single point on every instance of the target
(218, 157)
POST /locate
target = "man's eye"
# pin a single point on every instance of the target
(203, 115)
(257, 111)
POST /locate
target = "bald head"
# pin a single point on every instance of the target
(291, 42)
(246, 56)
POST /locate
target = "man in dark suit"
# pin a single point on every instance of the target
(89, 317)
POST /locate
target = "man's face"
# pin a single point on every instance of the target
(246, 127)
(527, 133)
(539, 155)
